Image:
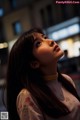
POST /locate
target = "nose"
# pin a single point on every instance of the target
(51, 43)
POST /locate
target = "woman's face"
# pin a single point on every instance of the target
(46, 50)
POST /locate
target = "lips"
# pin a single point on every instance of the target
(56, 48)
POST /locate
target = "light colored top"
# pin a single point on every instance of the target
(28, 108)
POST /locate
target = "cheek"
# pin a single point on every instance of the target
(43, 55)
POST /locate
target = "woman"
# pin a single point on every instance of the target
(36, 90)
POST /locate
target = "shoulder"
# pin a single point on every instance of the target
(26, 105)
(24, 97)
(23, 93)
(21, 99)
(69, 79)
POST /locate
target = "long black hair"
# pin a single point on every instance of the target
(20, 75)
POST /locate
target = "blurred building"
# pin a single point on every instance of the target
(17, 16)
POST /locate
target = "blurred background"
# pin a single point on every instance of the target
(61, 22)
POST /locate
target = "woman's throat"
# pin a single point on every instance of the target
(51, 77)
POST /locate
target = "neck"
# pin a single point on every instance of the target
(51, 77)
(49, 70)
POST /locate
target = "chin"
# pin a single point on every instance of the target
(60, 54)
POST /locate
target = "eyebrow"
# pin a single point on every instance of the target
(42, 35)
(35, 39)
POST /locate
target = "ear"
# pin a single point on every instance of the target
(34, 64)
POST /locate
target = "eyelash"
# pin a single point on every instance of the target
(38, 43)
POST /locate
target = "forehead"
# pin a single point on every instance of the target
(37, 35)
